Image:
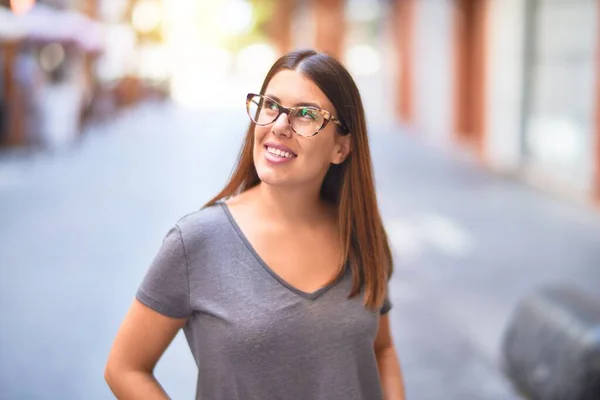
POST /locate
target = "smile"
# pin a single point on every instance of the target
(279, 153)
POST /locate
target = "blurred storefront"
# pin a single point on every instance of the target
(68, 62)
(560, 102)
(516, 80)
(47, 79)
(10, 121)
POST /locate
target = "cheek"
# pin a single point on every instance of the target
(259, 136)
(318, 154)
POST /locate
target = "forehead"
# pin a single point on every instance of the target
(291, 88)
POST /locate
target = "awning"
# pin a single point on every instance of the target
(11, 27)
(44, 24)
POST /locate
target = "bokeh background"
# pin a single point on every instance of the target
(118, 117)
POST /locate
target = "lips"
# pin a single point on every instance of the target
(280, 147)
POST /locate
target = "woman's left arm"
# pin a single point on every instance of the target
(387, 361)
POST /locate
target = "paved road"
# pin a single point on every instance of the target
(78, 230)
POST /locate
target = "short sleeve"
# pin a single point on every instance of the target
(165, 288)
(387, 306)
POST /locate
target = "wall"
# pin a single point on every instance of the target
(505, 72)
(433, 69)
(560, 122)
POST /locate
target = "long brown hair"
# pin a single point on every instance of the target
(348, 185)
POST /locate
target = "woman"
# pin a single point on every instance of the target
(280, 281)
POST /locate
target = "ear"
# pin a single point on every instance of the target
(342, 149)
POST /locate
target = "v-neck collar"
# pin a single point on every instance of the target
(308, 295)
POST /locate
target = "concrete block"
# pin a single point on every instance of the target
(551, 348)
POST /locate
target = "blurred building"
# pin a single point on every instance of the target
(68, 62)
(329, 25)
(515, 81)
(48, 50)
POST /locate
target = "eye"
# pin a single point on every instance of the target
(308, 113)
(270, 105)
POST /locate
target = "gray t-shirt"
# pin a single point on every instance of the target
(253, 336)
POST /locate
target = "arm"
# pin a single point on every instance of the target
(387, 361)
(142, 339)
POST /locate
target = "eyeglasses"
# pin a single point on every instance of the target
(305, 121)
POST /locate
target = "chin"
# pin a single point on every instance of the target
(271, 177)
(280, 175)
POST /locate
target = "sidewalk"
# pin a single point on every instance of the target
(469, 245)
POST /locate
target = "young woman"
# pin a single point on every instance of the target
(280, 281)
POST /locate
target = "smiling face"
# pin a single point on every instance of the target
(284, 158)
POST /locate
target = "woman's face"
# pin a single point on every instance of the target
(310, 156)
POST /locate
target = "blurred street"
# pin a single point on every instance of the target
(118, 118)
(80, 228)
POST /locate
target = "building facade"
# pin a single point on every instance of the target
(515, 81)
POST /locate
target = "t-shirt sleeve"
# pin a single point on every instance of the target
(165, 288)
(387, 306)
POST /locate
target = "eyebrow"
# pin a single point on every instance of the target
(302, 104)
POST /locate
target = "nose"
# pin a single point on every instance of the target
(281, 126)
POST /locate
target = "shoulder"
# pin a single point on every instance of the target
(203, 225)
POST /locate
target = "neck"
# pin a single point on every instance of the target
(297, 205)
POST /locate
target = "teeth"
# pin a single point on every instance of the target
(279, 153)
